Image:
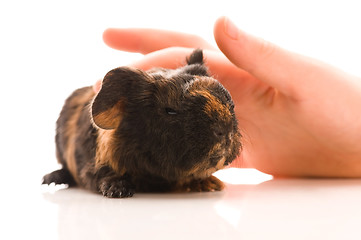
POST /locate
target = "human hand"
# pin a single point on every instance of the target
(298, 116)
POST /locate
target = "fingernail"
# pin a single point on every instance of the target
(231, 29)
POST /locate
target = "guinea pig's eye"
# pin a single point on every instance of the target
(170, 111)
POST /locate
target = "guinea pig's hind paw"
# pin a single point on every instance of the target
(61, 176)
(116, 188)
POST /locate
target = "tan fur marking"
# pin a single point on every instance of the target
(214, 105)
(71, 128)
(202, 169)
(110, 118)
(105, 151)
(208, 172)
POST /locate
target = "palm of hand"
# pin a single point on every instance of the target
(308, 133)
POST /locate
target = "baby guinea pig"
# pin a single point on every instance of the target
(160, 130)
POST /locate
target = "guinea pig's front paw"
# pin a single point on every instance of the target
(209, 184)
(116, 188)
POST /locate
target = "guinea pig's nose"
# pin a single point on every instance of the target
(219, 133)
(222, 132)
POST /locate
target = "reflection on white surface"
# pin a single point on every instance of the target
(275, 209)
(231, 214)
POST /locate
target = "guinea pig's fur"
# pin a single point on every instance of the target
(147, 131)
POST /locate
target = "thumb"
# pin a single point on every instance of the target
(269, 63)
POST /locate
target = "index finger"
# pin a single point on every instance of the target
(144, 41)
(236, 80)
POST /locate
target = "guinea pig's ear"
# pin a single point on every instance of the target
(196, 57)
(196, 64)
(117, 88)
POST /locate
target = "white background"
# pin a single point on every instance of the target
(49, 48)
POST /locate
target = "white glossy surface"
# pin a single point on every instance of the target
(274, 209)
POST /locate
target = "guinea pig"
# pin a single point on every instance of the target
(160, 130)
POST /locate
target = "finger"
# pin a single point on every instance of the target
(219, 66)
(170, 58)
(242, 85)
(236, 80)
(281, 69)
(97, 86)
(149, 40)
